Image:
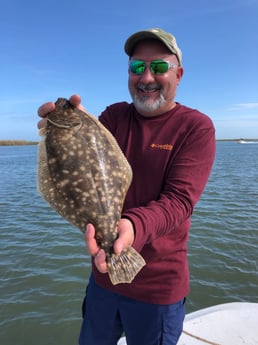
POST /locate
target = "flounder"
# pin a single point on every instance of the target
(84, 176)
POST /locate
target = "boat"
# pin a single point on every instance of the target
(242, 141)
(224, 324)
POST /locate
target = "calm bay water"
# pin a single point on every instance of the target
(44, 266)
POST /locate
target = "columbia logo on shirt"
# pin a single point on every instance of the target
(167, 147)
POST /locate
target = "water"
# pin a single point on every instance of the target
(44, 266)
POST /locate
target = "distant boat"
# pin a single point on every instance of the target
(225, 324)
(242, 141)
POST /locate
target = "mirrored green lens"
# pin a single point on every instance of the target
(156, 66)
(159, 67)
(137, 67)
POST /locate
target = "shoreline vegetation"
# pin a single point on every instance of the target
(17, 142)
(26, 142)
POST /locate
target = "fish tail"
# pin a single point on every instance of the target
(124, 267)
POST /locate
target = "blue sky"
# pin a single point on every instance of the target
(52, 49)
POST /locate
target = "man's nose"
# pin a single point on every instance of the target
(147, 76)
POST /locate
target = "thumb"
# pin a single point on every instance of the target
(125, 235)
(119, 246)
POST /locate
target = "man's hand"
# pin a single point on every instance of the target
(125, 238)
(46, 108)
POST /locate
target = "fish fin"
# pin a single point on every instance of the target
(45, 185)
(42, 169)
(124, 267)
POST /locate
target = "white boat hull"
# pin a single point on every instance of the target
(224, 324)
(247, 142)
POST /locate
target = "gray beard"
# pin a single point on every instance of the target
(144, 105)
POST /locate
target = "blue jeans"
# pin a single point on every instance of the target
(106, 315)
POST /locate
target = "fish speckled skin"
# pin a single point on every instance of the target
(84, 176)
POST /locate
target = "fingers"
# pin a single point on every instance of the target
(42, 123)
(91, 244)
(100, 261)
(76, 101)
(94, 250)
(46, 108)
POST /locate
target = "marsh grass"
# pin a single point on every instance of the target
(17, 142)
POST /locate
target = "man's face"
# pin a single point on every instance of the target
(153, 94)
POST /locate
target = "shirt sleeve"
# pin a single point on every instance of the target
(185, 180)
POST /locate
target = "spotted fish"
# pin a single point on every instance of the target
(84, 176)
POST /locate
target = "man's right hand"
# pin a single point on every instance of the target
(46, 108)
(125, 238)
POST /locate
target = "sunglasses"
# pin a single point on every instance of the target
(156, 66)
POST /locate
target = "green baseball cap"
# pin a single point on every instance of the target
(158, 34)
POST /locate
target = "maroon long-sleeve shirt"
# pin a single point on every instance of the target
(171, 156)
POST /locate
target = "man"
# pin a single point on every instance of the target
(171, 150)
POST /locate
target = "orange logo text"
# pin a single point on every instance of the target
(167, 147)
